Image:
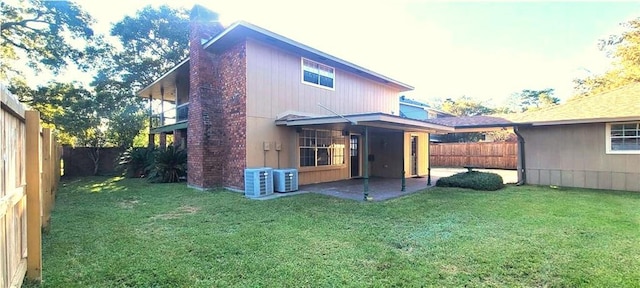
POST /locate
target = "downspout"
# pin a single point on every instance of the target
(523, 179)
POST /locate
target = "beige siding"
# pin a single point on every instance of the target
(575, 156)
(274, 89)
(274, 86)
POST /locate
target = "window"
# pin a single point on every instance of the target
(321, 148)
(623, 138)
(317, 74)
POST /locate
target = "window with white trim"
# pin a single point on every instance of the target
(623, 138)
(318, 74)
(321, 148)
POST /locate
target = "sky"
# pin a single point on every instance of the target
(484, 50)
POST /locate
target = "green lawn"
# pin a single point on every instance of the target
(112, 232)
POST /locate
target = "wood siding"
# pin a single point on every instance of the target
(575, 156)
(274, 89)
(499, 155)
(274, 86)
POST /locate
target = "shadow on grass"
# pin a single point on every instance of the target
(96, 184)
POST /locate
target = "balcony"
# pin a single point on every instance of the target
(170, 119)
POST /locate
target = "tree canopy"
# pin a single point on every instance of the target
(42, 31)
(106, 113)
(624, 48)
(153, 41)
(465, 106)
(533, 99)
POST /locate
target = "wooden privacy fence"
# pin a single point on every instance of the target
(499, 155)
(30, 174)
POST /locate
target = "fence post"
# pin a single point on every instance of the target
(34, 197)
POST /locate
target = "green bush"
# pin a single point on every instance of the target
(473, 180)
(170, 165)
(136, 162)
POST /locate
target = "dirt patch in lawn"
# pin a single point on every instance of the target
(179, 212)
(128, 204)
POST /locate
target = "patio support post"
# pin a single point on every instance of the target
(151, 136)
(365, 169)
(162, 106)
(404, 180)
(428, 161)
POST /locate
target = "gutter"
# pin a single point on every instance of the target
(523, 179)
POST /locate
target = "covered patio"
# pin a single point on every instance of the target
(388, 156)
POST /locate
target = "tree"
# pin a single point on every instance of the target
(624, 49)
(533, 99)
(154, 40)
(41, 30)
(82, 117)
(465, 106)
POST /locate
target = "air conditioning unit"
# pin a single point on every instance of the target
(285, 180)
(258, 182)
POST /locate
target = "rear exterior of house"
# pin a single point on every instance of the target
(247, 97)
(580, 155)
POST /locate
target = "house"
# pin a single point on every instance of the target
(413, 109)
(590, 142)
(247, 97)
(410, 108)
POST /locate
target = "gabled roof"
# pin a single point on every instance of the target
(242, 30)
(622, 104)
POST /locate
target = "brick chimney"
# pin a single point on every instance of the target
(205, 131)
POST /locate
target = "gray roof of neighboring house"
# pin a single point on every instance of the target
(412, 102)
(241, 30)
(404, 99)
(621, 104)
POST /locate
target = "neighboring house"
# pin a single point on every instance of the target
(248, 97)
(591, 142)
(413, 109)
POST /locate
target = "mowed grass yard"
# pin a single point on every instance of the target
(112, 232)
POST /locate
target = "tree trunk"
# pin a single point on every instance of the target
(94, 154)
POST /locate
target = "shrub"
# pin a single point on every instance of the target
(136, 161)
(170, 165)
(474, 180)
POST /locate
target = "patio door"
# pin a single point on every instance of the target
(414, 155)
(354, 151)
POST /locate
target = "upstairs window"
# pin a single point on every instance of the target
(623, 138)
(317, 74)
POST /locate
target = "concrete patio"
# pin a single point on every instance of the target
(381, 189)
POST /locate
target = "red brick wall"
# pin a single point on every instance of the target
(232, 73)
(216, 137)
(206, 133)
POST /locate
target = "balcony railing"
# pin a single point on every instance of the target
(171, 116)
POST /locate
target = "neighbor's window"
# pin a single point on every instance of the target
(317, 74)
(623, 138)
(321, 148)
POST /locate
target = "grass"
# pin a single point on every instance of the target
(112, 232)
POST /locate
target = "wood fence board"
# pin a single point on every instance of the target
(500, 155)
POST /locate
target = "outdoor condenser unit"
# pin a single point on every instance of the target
(285, 180)
(258, 182)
